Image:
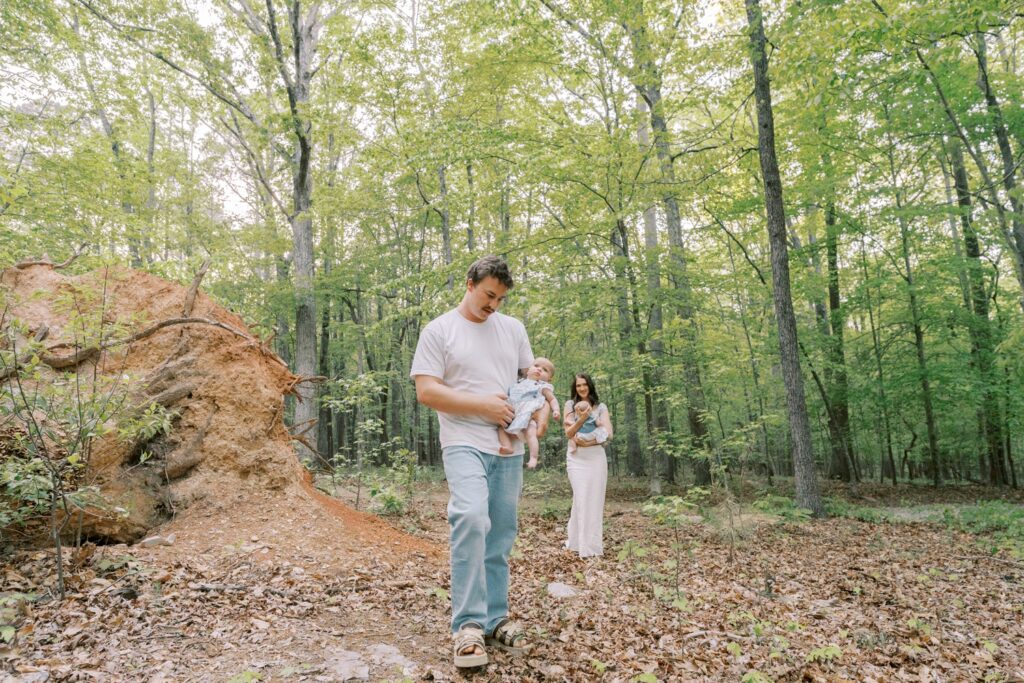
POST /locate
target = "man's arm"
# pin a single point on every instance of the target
(433, 393)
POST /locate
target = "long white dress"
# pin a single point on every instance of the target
(588, 475)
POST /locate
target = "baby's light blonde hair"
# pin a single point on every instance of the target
(551, 366)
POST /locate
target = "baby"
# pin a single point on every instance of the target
(528, 397)
(589, 433)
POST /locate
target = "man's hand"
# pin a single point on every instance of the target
(497, 409)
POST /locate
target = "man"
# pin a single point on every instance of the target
(465, 360)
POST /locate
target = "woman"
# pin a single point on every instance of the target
(588, 426)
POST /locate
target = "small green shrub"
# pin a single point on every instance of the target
(783, 507)
(837, 507)
(1001, 523)
(825, 654)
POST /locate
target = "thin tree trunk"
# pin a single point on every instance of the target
(755, 374)
(837, 321)
(839, 466)
(877, 348)
(620, 243)
(1009, 179)
(325, 435)
(647, 81)
(915, 316)
(657, 422)
(470, 246)
(446, 230)
(980, 329)
(807, 492)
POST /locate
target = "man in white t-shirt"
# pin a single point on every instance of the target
(465, 361)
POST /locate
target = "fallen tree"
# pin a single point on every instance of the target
(170, 357)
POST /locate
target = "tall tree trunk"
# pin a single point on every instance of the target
(837, 358)
(647, 81)
(807, 491)
(1013, 236)
(620, 243)
(915, 317)
(657, 416)
(980, 330)
(147, 239)
(446, 229)
(838, 466)
(883, 401)
(1009, 179)
(470, 246)
(755, 373)
(304, 35)
(325, 434)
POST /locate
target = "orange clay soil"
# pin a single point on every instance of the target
(226, 473)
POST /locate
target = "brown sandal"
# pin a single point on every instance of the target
(468, 647)
(510, 636)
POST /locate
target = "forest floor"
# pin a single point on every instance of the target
(272, 593)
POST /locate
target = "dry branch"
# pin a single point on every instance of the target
(45, 260)
(60, 362)
(191, 455)
(150, 331)
(299, 379)
(305, 442)
(9, 371)
(190, 296)
(74, 360)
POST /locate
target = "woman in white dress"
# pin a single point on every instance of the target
(588, 426)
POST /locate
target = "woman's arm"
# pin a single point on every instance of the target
(605, 421)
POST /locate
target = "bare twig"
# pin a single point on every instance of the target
(190, 297)
(45, 261)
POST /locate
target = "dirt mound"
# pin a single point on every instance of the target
(228, 448)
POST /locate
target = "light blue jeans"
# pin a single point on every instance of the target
(482, 516)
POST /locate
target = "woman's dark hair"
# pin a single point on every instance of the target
(591, 395)
(490, 266)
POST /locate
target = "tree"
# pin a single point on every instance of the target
(807, 494)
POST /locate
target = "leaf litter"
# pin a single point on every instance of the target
(829, 600)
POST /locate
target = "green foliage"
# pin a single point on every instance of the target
(246, 677)
(25, 488)
(783, 507)
(675, 511)
(919, 625)
(838, 507)
(12, 607)
(495, 127)
(146, 425)
(825, 654)
(755, 677)
(645, 678)
(392, 487)
(1000, 522)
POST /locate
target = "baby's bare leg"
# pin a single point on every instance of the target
(533, 443)
(505, 439)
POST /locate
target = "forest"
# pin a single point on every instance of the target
(785, 238)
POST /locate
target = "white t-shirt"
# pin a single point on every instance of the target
(477, 358)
